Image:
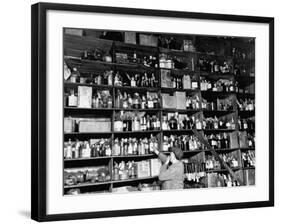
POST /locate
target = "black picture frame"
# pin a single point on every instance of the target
(38, 110)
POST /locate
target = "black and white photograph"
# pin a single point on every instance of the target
(141, 112)
(157, 111)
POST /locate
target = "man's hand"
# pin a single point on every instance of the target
(155, 150)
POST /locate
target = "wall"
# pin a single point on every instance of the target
(15, 110)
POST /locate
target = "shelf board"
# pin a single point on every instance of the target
(248, 130)
(219, 130)
(76, 134)
(140, 89)
(136, 132)
(216, 93)
(133, 179)
(246, 112)
(177, 131)
(223, 150)
(133, 156)
(180, 110)
(87, 159)
(248, 168)
(73, 85)
(218, 112)
(217, 75)
(109, 182)
(87, 109)
(172, 90)
(135, 66)
(246, 95)
(223, 170)
(87, 184)
(130, 109)
(244, 149)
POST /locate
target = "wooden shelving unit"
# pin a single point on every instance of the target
(74, 46)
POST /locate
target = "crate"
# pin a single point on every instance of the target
(155, 166)
(69, 125)
(143, 169)
(168, 101)
(180, 100)
(94, 125)
(148, 40)
(130, 37)
(84, 97)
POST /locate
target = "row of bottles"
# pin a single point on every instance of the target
(136, 80)
(218, 123)
(194, 171)
(248, 158)
(192, 102)
(246, 104)
(251, 138)
(135, 58)
(215, 66)
(246, 124)
(126, 101)
(134, 146)
(86, 175)
(221, 180)
(184, 82)
(84, 149)
(124, 170)
(221, 85)
(212, 163)
(129, 121)
(219, 141)
(106, 78)
(184, 142)
(225, 105)
(180, 122)
(101, 99)
(229, 159)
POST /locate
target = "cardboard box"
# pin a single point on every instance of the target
(168, 101)
(94, 125)
(69, 125)
(155, 166)
(180, 100)
(143, 169)
(148, 40)
(130, 37)
(84, 97)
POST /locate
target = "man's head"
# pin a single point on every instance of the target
(176, 154)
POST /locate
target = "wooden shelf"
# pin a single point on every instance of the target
(223, 170)
(138, 89)
(172, 90)
(95, 86)
(219, 130)
(245, 149)
(109, 182)
(87, 184)
(134, 179)
(86, 159)
(217, 112)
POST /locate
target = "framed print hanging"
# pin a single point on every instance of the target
(139, 111)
